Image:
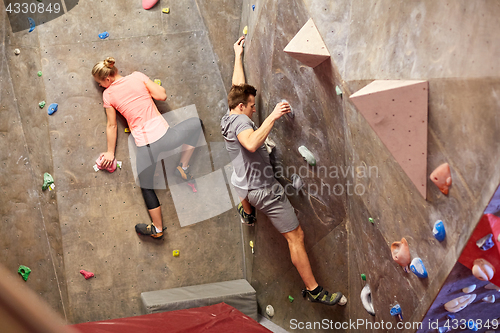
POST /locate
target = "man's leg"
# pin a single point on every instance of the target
(300, 260)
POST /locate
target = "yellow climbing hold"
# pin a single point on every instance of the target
(166, 10)
(157, 81)
(127, 130)
(175, 253)
(245, 30)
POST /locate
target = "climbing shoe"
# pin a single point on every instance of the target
(248, 219)
(149, 230)
(184, 174)
(322, 296)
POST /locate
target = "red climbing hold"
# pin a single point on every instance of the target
(193, 186)
(86, 274)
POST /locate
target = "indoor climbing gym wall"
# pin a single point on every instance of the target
(86, 222)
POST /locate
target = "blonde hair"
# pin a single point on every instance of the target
(105, 68)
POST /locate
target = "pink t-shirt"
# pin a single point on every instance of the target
(129, 96)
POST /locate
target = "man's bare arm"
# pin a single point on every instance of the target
(238, 73)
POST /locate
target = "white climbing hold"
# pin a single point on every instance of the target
(270, 310)
(343, 300)
(459, 303)
(366, 300)
(469, 289)
(17, 52)
(491, 286)
(483, 270)
(489, 299)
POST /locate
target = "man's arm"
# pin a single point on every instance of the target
(238, 73)
(251, 139)
(111, 133)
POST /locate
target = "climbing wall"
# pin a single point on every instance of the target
(88, 221)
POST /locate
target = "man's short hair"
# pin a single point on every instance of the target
(239, 94)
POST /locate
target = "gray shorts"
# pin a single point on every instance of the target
(273, 202)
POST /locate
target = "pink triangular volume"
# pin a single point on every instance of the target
(307, 46)
(397, 111)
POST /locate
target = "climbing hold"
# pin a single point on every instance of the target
(401, 253)
(469, 289)
(39, 73)
(444, 329)
(290, 298)
(193, 186)
(459, 303)
(371, 220)
(147, 4)
(270, 310)
(53, 108)
(119, 164)
(491, 286)
(450, 316)
(253, 7)
(483, 270)
(489, 299)
(366, 300)
(86, 275)
(251, 245)
(308, 46)
(338, 90)
(175, 253)
(157, 81)
(307, 155)
(342, 301)
(17, 51)
(471, 324)
(270, 144)
(104, 35)
(111, 168)
(127, 130)
(363, 277)
(441, 176)
(418, 268)
(32, 24)
(486, 242)
(41, 104)
(24, 271)
(438, 231)
(297, 182)
(245, 30)
(48, 182)
(166, 10)
(290, 114)
(396, 311)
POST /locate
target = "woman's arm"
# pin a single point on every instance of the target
(111, 133)
(156, 91)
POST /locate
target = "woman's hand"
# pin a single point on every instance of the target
(107, 159)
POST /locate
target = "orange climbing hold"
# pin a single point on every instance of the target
(442, 177)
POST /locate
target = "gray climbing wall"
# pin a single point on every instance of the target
(88, 221)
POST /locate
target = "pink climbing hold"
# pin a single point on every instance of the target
(147, 4)
(192, 185)
(86, 275)
(442, 177)
(110, 168)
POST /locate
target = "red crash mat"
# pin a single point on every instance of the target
(218, 318)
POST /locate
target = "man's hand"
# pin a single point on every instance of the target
(106, 159)
(280, 109)
(238, 46)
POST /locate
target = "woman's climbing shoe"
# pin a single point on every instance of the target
(184, 174)
(322, 296)
(248, 219)
(149, 230)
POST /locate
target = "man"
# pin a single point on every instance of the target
(253, 176)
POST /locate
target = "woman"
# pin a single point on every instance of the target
(132, 96)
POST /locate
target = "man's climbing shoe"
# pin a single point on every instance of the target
(149, 230)
(184, 174)
(323, 296)
(248, 219)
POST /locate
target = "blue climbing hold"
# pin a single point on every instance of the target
(485, 243)
(471, 324)
(32, 24)
(104, 35)
(52, 108)
(418, 268)
(438, 231)
(253, 7)
(396, 311)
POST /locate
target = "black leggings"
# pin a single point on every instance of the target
(186, 132)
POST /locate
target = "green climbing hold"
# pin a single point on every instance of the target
(39, 73)
(371, 220)
(307, 155)
(41, 104)
(47, 181)
(363, 277)
(290, 298)
(24, 271)
(338, 90)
